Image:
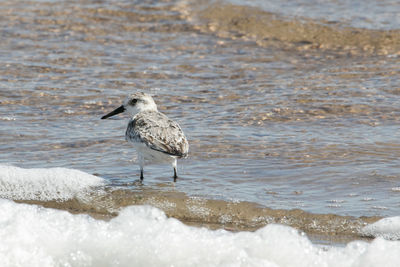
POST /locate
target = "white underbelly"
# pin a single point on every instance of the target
(151, 156)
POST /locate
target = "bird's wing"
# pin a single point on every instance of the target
(158, 132)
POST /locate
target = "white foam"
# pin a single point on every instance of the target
(44, 184)
(7, 118)
(388, 228)
(144, 236)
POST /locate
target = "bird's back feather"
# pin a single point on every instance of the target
(158, 132)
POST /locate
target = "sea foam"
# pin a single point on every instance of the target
(44, 183)
(388, 228)
(143, 236)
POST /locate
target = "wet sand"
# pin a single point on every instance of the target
(217, 214)
(269, 29)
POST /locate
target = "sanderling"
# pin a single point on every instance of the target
(156, 138)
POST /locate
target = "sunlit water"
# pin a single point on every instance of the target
(286, 128)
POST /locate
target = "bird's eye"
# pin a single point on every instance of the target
(133, 102)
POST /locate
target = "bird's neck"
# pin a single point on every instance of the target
(144, 109)
(147, 108)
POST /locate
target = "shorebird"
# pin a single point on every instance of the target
(155, 137)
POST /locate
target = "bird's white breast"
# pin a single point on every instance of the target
(152, 156)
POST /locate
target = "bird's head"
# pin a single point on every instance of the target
(134, 104)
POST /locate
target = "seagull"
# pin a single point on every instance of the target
(155, 137)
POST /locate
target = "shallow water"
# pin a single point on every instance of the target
(288, 113)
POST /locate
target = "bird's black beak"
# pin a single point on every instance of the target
(114, 112)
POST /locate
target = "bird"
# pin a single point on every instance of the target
(155, 137)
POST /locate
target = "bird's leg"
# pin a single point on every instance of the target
(141, 165)
(175, 174)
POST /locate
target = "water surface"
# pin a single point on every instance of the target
(281, 109)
